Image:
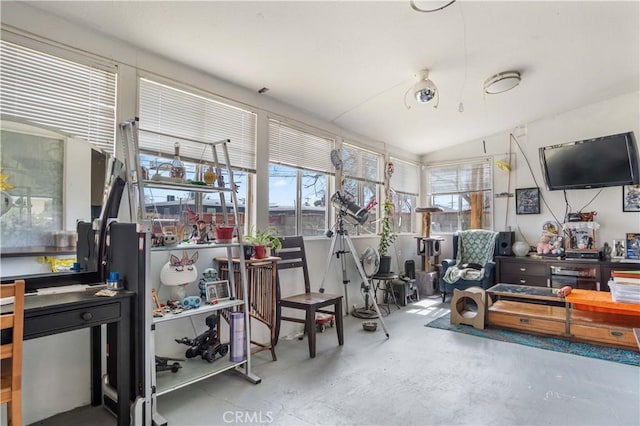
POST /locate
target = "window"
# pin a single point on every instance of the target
(168, 115)
(361, 180)
(77, 99)
(50, 96)
(463, 191)
(405, 185)
(37, 199)
(299, 171)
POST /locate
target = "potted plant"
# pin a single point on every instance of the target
(262, 240)
(387, 237)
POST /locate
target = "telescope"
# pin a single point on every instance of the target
(349, 210)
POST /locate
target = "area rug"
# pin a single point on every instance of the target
(550, 343)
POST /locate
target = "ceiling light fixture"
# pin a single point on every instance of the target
(435, 9)
(501, 82)
(424, 90)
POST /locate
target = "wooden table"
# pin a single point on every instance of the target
(261, 284)
(585, 315)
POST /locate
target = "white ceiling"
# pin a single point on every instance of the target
(351, 63)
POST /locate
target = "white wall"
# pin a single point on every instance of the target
(607, 117)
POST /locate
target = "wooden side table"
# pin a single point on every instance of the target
(261, 283)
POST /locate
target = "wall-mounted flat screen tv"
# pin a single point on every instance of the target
(591, 163)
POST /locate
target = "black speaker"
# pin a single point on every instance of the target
(505, 241)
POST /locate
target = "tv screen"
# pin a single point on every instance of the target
(591, 163)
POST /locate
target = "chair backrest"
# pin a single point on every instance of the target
(485, 239)
(293, 255)
(13, 349)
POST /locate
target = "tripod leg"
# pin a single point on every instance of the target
(364, 278)
(328, 264)
(345, 277)
(326, 271)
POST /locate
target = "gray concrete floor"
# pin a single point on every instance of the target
(419, 376)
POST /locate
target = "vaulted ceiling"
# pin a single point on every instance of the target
(352, 62)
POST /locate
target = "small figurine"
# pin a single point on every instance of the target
(210, 176)
(208, 275)
(557, 247)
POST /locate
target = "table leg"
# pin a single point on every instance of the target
(96, 365)
(338, 319)
(124, 365)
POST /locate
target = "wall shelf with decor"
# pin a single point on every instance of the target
(195, 177)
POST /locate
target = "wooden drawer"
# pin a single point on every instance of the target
(533, 280)
(72, 319)
(605, 328)
(524, 268)
(528, 317)
(595, 333)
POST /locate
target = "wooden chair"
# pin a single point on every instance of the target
(11, 353)
(293, 256)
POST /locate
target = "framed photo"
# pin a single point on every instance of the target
(582, 239)
(217, 290)
(619, 249)
(633, 245)
(528, 201)
(631, 198)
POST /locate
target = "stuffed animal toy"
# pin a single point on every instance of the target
(544, 245)
(557, 246)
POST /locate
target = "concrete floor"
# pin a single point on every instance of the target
(420, 376)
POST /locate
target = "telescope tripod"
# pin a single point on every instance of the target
(342, 237)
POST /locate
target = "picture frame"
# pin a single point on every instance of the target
(582, 239)
(217, 291)
(528, 200)
(633, 245)
(631, 198)
(619, 249)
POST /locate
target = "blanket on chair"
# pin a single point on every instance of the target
(474, 246)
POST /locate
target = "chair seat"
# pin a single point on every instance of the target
(318, 299)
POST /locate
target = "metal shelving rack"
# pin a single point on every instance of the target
(190, 372)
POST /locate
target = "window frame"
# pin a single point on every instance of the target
(402, 187)
(361, 181)
(283, 137)
(465, 187)
(46, 115)
(156, 137)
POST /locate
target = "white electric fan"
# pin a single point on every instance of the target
(370, 260)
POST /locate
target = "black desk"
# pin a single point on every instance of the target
(45, 315)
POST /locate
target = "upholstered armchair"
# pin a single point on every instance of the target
(473, 264)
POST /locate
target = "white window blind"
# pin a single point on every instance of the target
(293, 147)
(167, 114)
(74, 98)
(460, 178)
(360, 164)
(406, 177)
